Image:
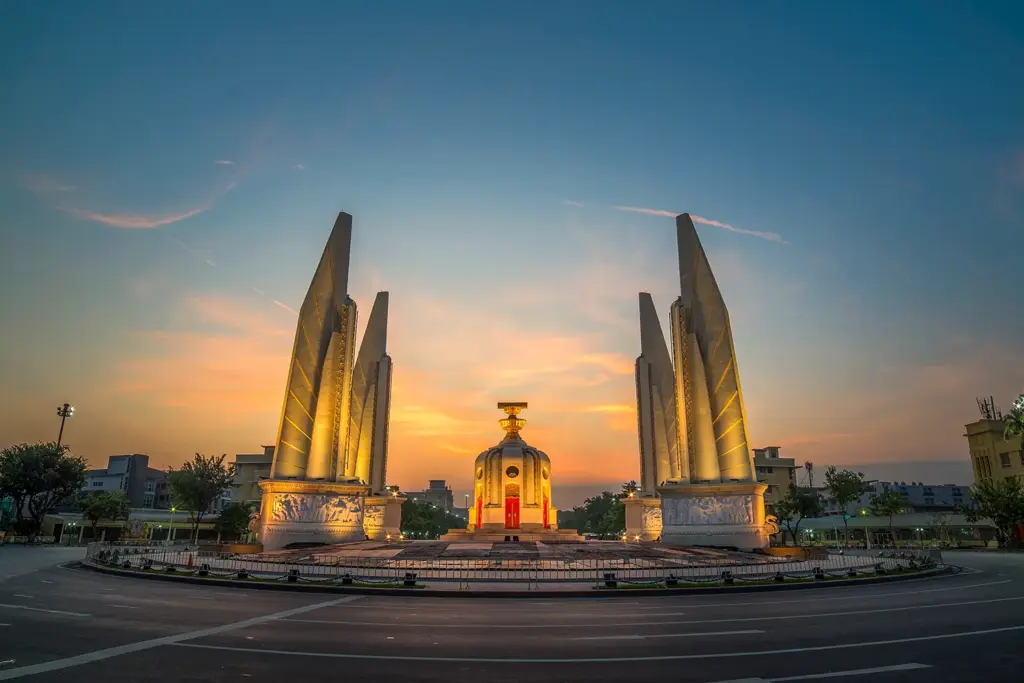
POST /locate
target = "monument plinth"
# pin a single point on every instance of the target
(695, 454)
(331, 450)
(512, 490)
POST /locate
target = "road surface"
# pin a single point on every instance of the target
(67, 624)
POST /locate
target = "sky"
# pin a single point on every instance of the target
(170, 172)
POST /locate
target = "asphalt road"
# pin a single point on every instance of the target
(65, 624)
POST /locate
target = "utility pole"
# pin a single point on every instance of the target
(63, 412)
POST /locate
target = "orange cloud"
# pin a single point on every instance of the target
(127, 220)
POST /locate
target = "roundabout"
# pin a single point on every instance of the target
(956, 627)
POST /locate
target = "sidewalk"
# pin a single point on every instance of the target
(17, 560)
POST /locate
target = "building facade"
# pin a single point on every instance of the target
(145, 486)
(776, 472)
(250, 470)
(437, 493)
(992, 456)
(920, 497)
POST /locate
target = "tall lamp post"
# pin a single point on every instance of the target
(63, 412)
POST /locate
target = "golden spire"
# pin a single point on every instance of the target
(512, 424)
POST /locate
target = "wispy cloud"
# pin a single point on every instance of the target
(284, 306)
(146, 221)
(224, 162)
(259, 291)
(133, 220)
(43, 184)
(770, 236)
(299, 167)
(571, 202)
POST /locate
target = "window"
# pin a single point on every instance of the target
(765, 470)
(1004, 459)
(929, 501)
(928, 491)
(97, 483)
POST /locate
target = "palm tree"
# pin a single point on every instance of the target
(1014, 420)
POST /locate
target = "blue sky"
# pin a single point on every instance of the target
(481, 149)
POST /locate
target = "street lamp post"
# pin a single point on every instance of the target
(63, 412)
(170, 525)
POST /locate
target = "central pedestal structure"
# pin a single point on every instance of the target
(512, 491)
(724, 515)
(294, 511)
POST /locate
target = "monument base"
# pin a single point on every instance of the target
(296, 511)
(643, 518)
(382, 517)
(720, 514)
(496, 533)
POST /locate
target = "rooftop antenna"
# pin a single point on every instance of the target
(988, 409)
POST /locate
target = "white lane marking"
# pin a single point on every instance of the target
(48, 611)
(600, 660)
(859, 596)
(669, 635)
(123, 606)
(97, 655)
(22, 595)
(649, 622)
(833, 674)
(45, 581)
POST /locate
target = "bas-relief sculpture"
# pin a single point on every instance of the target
(373, 517)
(708, 510)
(322, 509)
(652, 518)
(333, 432)
(692, 424)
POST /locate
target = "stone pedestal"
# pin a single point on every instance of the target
(643, 518)
(295, 511)
(725, 515)
(382, 517)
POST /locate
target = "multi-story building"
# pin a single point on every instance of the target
(920, 497)
(250, 470)
(992, 456)
(145, 486)
(437, 493)
(777, 472)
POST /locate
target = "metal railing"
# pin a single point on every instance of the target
(640, 571)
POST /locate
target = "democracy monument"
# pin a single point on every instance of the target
(512, 491)
(698, 485)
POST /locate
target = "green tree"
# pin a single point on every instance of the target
(233, 521)
(1002, 502)
(112, 505)
(421, 519)
(37, 477)
(603, 515)
(887, 504)
(1014, 420)
(844, 487)
(798, 504)
(630, 488)
(198, 484)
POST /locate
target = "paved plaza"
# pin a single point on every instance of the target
(527, 550)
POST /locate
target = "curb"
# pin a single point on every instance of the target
(540, 593)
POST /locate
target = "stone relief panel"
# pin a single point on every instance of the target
(652, 518)
(708, 510)
(373, 517)
(316, 508)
